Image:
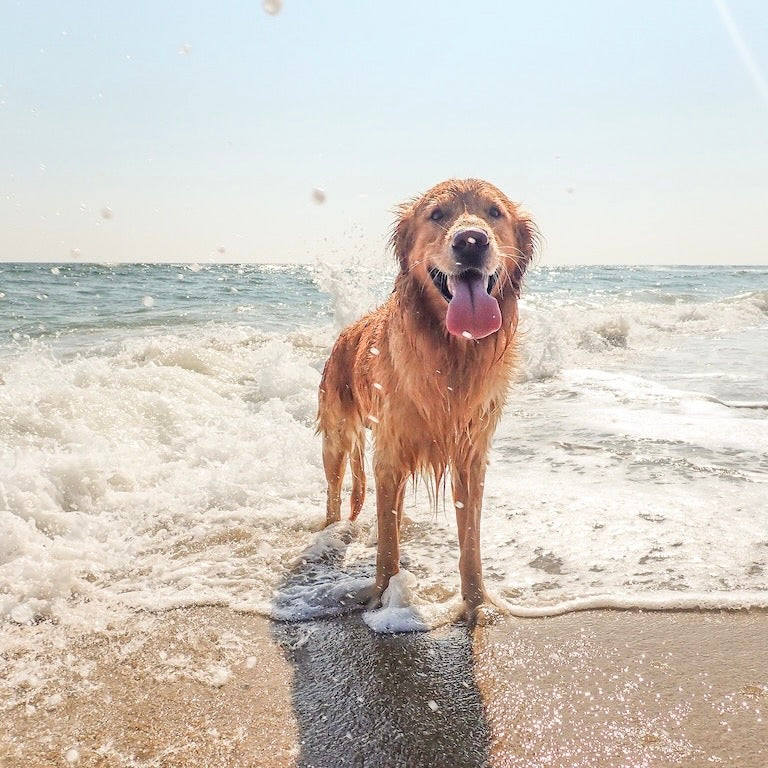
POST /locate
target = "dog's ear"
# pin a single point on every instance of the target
(527, 236)
(401, 239)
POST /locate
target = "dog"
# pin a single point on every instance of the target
(428, 371)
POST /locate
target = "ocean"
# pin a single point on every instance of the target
(158, 446)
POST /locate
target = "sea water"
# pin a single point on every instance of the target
(158, 446)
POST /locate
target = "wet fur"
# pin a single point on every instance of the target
(432, 400)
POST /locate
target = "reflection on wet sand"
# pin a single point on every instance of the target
(362, 699)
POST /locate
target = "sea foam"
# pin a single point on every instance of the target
(158, 467)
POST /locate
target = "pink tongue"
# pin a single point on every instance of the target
(472, 312)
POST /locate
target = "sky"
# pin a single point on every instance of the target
(632, 132)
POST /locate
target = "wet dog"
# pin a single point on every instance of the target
(428, 371)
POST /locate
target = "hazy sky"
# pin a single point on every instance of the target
(634, 132)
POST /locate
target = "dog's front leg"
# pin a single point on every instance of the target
(390, 488)
(468, 482)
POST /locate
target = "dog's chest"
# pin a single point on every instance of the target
(439, 410)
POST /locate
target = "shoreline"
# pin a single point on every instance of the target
(206, 686)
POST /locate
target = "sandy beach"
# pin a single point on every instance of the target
(210, 687)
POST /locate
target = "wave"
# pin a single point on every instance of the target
(648, 601)
(555, 336)
(180, 467)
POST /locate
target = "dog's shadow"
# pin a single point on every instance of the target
(366, 699)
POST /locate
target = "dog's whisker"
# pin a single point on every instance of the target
(415, 264)
(517, 252)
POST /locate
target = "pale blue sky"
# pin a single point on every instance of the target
(634, 132)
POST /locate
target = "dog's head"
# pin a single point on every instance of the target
(470, 246)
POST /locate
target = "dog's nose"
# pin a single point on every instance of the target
(469, 246)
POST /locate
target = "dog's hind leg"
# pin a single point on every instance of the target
(358, 475)
(335, 463)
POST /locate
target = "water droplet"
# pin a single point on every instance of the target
(148, 302)
(374, 351)
(318, 195)
(272, 7)
(106, 213)
(467, 335)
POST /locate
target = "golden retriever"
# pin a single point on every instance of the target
(428, 371)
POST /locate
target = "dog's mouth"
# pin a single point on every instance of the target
(440, 279)
(472, 312)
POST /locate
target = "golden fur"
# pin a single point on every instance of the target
(431, 399)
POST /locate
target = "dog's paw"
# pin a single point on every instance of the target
(483, 613)
(367, 598)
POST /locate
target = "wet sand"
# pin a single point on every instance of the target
(209, 687)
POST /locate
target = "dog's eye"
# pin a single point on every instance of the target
(436, 215)
(494, 212)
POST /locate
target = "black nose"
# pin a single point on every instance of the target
(469, 246)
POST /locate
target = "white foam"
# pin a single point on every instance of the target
(654, 601)
(330, 589)
(183, 469)
(121, 470)
(561, 334)
(404, 610)
(353, 290)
